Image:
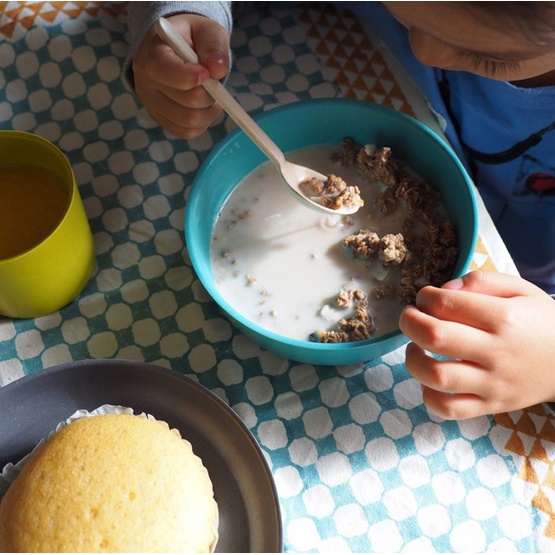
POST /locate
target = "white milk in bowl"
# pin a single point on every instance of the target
(309, 276)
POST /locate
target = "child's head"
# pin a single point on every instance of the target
(509, 41)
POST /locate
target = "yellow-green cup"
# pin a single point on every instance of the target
(42, 277)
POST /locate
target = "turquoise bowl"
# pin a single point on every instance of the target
(317, 123)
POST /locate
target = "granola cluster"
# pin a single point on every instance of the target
(391, 248)
(423, 252)
(360, 326)
(333, 193)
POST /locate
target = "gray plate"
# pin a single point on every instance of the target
(243, 486)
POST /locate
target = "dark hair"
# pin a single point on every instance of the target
(535, 20)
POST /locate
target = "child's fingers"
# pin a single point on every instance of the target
(195, 99)
(454, 407)
(178, 119)
(477, 310)
(451, 389)
(495, 284)
(163, 66)
(448, 376)
(446, 337)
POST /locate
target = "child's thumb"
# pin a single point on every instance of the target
(212, 46)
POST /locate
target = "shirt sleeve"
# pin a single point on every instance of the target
(142, 15)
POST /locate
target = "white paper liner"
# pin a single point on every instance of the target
(11, 471)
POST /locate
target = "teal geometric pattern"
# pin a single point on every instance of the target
(358, 462)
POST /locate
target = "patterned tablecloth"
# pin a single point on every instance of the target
(359, 463)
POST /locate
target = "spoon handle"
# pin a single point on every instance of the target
(173, 37)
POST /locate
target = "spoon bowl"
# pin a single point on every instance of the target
(293, 175)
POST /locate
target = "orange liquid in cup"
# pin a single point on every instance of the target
(33, 201)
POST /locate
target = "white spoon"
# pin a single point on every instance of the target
(293, 174)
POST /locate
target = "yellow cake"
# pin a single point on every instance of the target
(111, 482)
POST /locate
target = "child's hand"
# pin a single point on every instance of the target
(500, 331)
(170, 88)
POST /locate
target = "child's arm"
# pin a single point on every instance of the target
(499, 331)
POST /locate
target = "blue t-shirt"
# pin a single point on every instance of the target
(491, 117)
